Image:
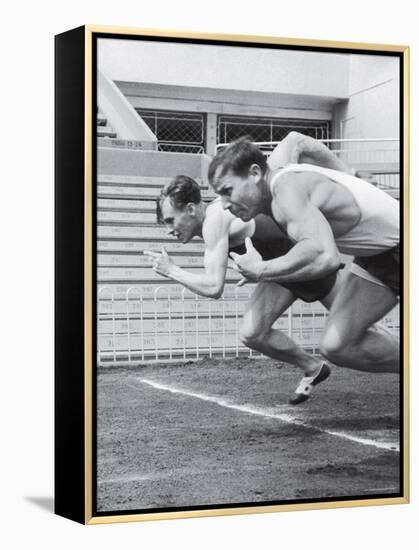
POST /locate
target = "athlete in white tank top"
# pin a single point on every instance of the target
(378, 228)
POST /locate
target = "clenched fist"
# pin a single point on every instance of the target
(249, 265)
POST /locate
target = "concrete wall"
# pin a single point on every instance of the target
(151, 163)
(372, 109)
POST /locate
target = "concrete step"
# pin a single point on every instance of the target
(157, 232)
(137, 192)
(139, 245)
(130, 205)
(121, 205)
(139, 259)
(105, 131)
(125, 218)
(136, 181)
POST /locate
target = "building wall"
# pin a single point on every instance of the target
(372, 108)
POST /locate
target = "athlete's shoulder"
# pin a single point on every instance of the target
(217, 221)
(288, 179)
(215, 210)
(215, 205)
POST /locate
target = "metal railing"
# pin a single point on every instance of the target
(167, 325)
(374, 151)
(351, 145)
(376, 159)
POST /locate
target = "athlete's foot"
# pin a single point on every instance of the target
(305, 387)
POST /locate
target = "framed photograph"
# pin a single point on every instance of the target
(231, 274)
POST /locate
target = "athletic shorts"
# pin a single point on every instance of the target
(316, 289)
(308, 291)
(385, 267)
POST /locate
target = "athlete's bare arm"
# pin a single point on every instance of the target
(298, 148)
(314, 254)
(215, 233)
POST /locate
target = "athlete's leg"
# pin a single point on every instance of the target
(350, 338)
(267, 303)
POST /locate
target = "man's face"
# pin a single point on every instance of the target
(180, 223)
(239, 194)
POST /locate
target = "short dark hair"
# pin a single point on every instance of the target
(238, 157)
(181, 191)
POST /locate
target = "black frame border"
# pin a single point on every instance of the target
(73, 496)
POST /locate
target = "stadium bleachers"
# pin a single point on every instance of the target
(137, 317)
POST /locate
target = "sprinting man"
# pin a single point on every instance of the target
(186, 215)
(324, 212)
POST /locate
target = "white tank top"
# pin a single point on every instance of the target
(378, 226)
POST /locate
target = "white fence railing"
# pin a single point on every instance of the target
(377, 152)
(167, 325)
(385, 146)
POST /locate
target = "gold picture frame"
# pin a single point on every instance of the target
(76, 367)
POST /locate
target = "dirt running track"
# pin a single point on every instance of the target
(221, 432)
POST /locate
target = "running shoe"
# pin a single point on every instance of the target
(305, 387)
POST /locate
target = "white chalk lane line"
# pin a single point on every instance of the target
(283, 417)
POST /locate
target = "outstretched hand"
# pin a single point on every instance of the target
(162, 263)
(249, 265)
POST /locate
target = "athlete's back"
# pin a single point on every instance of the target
(371, 215)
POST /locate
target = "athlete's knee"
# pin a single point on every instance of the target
(251, 336)
(333, 346)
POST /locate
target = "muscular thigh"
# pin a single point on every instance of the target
(357, 305)
(267, 303)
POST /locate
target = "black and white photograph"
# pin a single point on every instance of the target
(249, 281)
(154, 394)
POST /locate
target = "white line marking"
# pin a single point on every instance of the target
(126, 479)
(287, 418)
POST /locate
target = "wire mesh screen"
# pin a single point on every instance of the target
(176, 131)
(265, 129)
